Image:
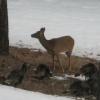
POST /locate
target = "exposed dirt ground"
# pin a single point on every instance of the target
(35, 57)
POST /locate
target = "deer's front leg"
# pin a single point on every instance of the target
(60, 65)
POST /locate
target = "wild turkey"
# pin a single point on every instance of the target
(16, 76)
(80, 88)
(42, 72)
(94, 83)
(87, 70)
(2, 79)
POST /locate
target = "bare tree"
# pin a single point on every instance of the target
(4, 40)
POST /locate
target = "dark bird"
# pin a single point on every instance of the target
(93, 74)
(2, 79)
(42, 72)
(80, 88)
(94, 83)
(16, 76)
(87, 70)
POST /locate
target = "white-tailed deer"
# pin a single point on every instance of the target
(56, 45)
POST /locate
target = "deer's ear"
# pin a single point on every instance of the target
(42, 29)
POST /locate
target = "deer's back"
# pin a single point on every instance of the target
(62, 44)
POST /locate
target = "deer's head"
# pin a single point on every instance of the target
(39, 33)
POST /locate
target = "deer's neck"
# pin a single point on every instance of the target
(44, 41)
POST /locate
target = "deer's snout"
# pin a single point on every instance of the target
(32, 35)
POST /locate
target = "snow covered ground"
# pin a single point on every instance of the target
(64, 77)
(10, 93)
(78, 18)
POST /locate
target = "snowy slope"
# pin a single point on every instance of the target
(10, 93)
(78, 18)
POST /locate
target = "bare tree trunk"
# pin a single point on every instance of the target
(4, 40)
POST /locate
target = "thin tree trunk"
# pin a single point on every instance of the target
(4, 40)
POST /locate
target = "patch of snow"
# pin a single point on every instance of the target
(58, 77)
(65, 76)
(72, 76)
(10, 93)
